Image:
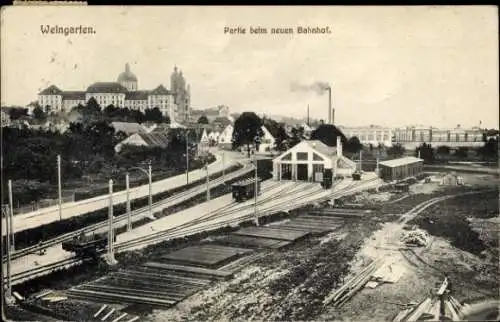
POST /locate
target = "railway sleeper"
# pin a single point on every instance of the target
(135, 288)
(156, 275)
(171, 281)
(217, 274)
(133, 292)
(307, 223)
(117, 298)
(144, 286)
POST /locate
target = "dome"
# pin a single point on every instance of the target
(127, 75)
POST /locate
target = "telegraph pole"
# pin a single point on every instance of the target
(208, 183)
(255, 192)
(187, 157)
(361, 160)
(59, 185)
(127, 186)
(111, 233)
(150, 191)
(223, 164)
(11, 220)
(9, 282)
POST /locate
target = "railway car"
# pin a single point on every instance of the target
(87, 246)
(245, 189)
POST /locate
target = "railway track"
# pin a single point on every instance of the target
(177, 198)
(190, 228)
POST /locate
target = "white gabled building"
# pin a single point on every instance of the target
(308, 160)
(203, 144)
(225, 140)
(267, 142)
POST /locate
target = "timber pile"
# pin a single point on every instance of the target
(351, 287)
(429, 309)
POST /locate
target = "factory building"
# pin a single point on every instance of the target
(402, 168)
(308, 160)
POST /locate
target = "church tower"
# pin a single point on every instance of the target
(127, 79)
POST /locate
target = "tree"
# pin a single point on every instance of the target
(203, 120)
(490, 149)
(153, 115)
(462, 152)
(443, 150)
(278, 131)
(328, 133)
(16, 113)
(297, 136)
(353, 145)
(396, 151)
(39, 114)
(247, 127)
(426, 152)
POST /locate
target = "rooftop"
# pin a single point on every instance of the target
(321, 147)
(401, 161)
(155, 139)
(106, 87)
(128, 127)
(51, 90)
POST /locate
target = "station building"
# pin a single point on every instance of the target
(402, 168)
(308, 160)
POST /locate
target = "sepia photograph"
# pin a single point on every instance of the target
(250, 163)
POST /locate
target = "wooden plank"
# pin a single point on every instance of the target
(148, 275)
(124, 298)
(198, 270)
(120, 317)
(107, 315)
(273, 233)
(155, 294)
(100, 310)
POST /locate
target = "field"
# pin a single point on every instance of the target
(292, 283)
(287, 269)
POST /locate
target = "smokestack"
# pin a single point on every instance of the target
(339, 147)
(329, 89)
(307, 114)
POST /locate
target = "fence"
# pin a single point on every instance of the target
(34, 206)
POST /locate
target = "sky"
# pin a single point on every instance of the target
(391, 66)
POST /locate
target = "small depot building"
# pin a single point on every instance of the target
(402, 168)
(308, 160)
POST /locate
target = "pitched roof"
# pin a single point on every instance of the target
(160, 90)
(51, 90)
(73, 95)
(106, 87)
(321, 147)
(399, 162)
(137, 95)
(128, 128)
(155, 139)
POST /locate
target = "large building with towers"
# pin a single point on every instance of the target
(174, 102)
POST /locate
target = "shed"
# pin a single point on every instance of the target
(402, 168)
(308, 160)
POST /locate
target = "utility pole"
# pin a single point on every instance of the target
(11, 219)
(150, 191)
(223, 166)
(59, 185)
(8, 290)
(255, 192)
(127, 186)
(208, 183)
(361, 160)
(111, 232)
(187, 157)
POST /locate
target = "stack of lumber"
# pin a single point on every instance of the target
(351, 287)
(429, 309)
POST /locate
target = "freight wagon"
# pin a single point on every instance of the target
(245, 189)
(87, 246)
